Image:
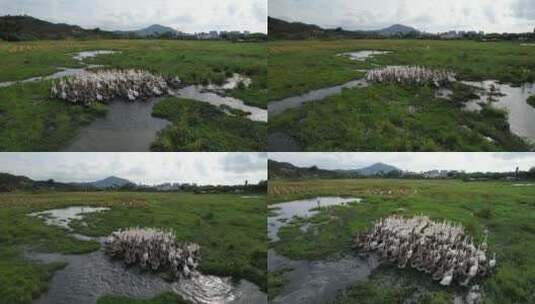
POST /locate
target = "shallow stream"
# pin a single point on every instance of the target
(87, 277)
(314, 281)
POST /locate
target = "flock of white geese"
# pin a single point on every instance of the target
(154, 249)
(441, 249)
(411, 75)
(105, 85)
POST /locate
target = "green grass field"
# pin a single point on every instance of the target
(393, 117)
(230, 229)
(202, 127)
(31, 121)
(508, 213)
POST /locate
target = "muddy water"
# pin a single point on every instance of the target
(319, 282)
(277, 107)
(282, 142)
(302, 208)
(64, 72)
(90, 276)
(314, 281)
(521, 114)
(363, 55)
(91, 54)
(211, 96)
(231, 83)
(127, 127)
(63, 217)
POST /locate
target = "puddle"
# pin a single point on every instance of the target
(363, 55)
(90, 276)
(91, 54)
(231, 83)
(302, 208)
(63, 217)
(127, 127)
(277, 107)
(204, 94)
(521, 114)
(64, 72)
(443, 93)
(282, 142)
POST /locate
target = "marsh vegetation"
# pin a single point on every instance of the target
(31, 120)
(397, 115)
(230, 230)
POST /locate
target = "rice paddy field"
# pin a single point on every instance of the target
(394, 116)
(504, 209)
(31, 120)
(230, 229)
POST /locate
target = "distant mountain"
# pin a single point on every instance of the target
(21, 28)
(156, 30)
(280, 29)
(397, 29)
(109, 182)
(10, 183)
(153, 30)
(287, 171)
(377, 169)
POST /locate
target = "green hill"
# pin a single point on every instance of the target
(23, 28)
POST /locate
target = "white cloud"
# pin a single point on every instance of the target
(189, 16)
(148, 168)
(470, 162)
(428, 15)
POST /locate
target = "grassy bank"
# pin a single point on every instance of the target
(30, 121)
(396, 118)
(230, 229)
(296, 67)
(200, 126)
(506, 211)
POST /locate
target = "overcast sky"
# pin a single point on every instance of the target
(185, 15)
(425, 15)
(146, 168)
(469, 162)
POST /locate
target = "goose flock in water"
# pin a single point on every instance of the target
(105, 85)
(441, 249)
(411, 75)
(154, 249)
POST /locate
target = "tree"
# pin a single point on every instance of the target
(531, 173)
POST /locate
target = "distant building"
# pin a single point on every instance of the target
(436, 174)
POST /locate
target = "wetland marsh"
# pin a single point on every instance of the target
(229, 77)
(334, 109)
(498, 207)
(51, 247)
